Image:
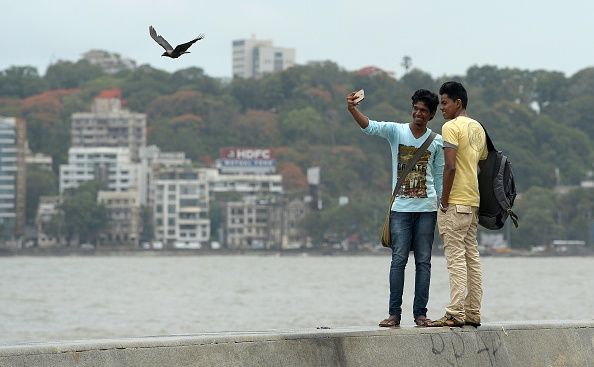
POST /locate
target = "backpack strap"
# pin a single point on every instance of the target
(490, 145)
(408, 166)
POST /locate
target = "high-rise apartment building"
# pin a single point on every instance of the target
(109, 125)
(112, 166)
(12, 177)
(252, 58)
(181, 208)
(153, 160)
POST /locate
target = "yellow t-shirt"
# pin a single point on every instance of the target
(468, 137)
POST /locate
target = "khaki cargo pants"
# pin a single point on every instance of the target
(458, 230)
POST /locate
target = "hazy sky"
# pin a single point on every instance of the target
(442, 37)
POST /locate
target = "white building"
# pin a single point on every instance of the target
(246, 224)
(152, 160)
(109, 125)
(244, 183)
(12, 177)
(252, 58)
(111, 166)
(181, 208)
(111, 63)
(249, 171)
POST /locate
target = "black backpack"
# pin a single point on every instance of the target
(497, 189)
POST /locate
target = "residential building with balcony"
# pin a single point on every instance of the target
(111, 166)
(12, 177)
(153, 160)
(244, 183)
(123, 213)
(269, 223)
(109, 125)
(181, 208)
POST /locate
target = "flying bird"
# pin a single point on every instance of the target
(170, 51)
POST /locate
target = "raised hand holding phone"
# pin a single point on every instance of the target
(359, 96)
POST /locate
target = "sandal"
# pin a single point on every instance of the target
(391, 321)
(447, 320)
(422, 320)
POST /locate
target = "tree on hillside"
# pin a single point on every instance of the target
(21, 82)
(144, 84)
(537, 211)
(304, 124)
(417, 79)
(48, 131)
(179, 103)
(293, 177)
(575, 214)
(194, 78)
(83, 216)
(67, 74)
(40, 182)
(183, 133)
(580, 115)
(406, 63)
(550, 90)
(255, 128)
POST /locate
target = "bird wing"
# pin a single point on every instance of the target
(184, 46)
(160, 40)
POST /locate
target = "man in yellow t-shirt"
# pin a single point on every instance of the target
(464, 143)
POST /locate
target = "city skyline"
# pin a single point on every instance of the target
(441, 39)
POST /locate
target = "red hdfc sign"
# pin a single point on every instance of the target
(246, 154)
(256, 159)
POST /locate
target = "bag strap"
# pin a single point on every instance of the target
(408, 166)
(490, 145)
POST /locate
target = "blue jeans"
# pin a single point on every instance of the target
(411, 231)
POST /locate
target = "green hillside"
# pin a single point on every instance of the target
(543, 120)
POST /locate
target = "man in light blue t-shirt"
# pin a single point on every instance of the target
(414, 212)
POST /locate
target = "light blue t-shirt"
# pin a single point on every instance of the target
(422, 188)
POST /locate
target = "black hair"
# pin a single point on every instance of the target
(428, 97)
(455, 90)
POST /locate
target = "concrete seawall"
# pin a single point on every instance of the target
(549, 343)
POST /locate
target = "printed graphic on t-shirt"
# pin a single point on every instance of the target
(475, 137)
(415, 185)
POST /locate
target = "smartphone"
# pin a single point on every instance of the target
(359, 96)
